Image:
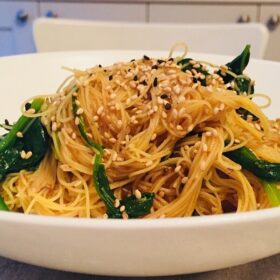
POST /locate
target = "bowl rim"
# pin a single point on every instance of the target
(180, 222)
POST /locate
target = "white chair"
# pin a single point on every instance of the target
(228, 39)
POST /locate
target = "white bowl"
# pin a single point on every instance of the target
(132, 247)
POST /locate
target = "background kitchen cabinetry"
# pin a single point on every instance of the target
(202, 13)
(16, 26)
(270, 16)
(95, 11)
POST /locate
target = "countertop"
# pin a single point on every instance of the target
(266, 269)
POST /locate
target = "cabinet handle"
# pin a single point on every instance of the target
(51, 14)
(273, 22)
(22, 16)
(244, 19)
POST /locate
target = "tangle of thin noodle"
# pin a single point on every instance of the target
(162, 132)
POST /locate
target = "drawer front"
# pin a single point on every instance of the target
(192, 13)
(16, 20)
(7, 44)
(270, 16)
(95, 11)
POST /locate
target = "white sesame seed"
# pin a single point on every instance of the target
(222, 107)
(117, 203)
(54, 126)
(89, 135)
(132, 84)
(119, 123)
(178, 168)
(106, 134)
(208, 133)
(112, 95)
(171, 71)
(28, 155)
(125, 216)
(159, 100)
(216, 110)
(258, 127)
(75, 94)
(174, 113)
(19, 134)
(149, 163)
(202, 165)
(164, 115)
(181, 99)
(177, 89)
(138, 194)
(161, 193)
(23, 154)
(154, 136)
(100, 110)
(133, 97)
(74, 136)
(155, 108)
(162, 216)
(113, 140)
(105, 216)
(95, 118)
(77, 121)
(79, 111)
(122, 208)
(204, 147)
(179, 127)
(114, 156)
(190, 128)
(30, 111)
(215, 133)
(185, 180)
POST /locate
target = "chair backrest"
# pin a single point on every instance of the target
(228, 39)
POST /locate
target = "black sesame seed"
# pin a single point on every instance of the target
(160, 61)
(155, 82)
(146, 57)
(164, 96)
(132, 60)
(129, 70)
(170, 59)
(135, 78)
(100, 66)
(110, 77)
(167, 106)
(7, 122)
(155, 67)
(105, 70)
(27, 106)
(144, 83)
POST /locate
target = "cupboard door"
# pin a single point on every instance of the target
(95, 11)
(270, 16)
(16, 19)
(199, 13)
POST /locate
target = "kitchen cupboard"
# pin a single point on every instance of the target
(95, 11)
(16, 26)
(193, 13)
(16, 16)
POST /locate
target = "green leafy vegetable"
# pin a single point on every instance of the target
(187, 65)
(35, 139)
(3, 206)
(246, 158)
(273, 193)
(134, 207)
(138, 207)
(237, 65)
